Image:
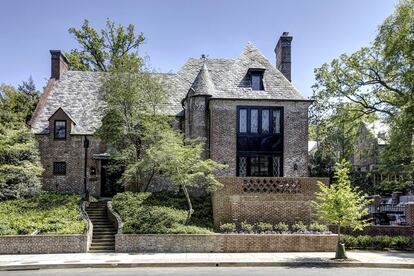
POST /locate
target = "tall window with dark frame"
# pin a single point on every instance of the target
(60, 130)
(259, 141)
(59, 168)
(256, 79)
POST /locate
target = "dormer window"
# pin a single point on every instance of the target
(256, 79)
(60, 129)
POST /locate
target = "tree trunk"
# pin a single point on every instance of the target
(340, 247)
(149, 181)
(190, 206)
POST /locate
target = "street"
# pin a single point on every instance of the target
(217, 271)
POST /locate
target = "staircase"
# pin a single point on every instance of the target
(103, 238)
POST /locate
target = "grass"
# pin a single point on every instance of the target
(162, 213)
(49, 213)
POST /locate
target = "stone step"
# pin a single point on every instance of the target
(101, 251)
(103, 240)
(103, 236)
(101, 247)
(101, 243)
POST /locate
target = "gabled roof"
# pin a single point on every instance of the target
(78, 93)
(380, 131)
(67, 114)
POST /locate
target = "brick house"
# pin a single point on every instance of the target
(370, 140)
(247, 110)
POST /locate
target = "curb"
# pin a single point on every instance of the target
(207, 264)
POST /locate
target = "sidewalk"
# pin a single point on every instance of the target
(357, 259)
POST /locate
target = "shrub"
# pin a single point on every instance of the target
(401, 242)
(49, 213)
(161, 213)
(246, 227)
(364, 241)
(281, 227)
(318, 227)
(381, 242)
(299, 227)
(350, 241)
(377, 242)
(263, 227)
(228, 228)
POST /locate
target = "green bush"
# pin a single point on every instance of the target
(401, 242)
(299, 227)
(246, 227)
(318, 227)
(263, 227)
(350, 241)
(162, 213)
(377, 242)
(381, 242)
(49, 213)
(228, 228)
(281, 227)
(364, 241)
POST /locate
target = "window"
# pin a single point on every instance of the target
(265, 121)
(60, 129)
(243, 120)
(59, 168)
(276, 121)
(260, 165)
(254, 120)
(256, 80)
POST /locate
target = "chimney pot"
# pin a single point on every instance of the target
(283, 55)
(59, 64)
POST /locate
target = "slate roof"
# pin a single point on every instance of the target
(78, 93)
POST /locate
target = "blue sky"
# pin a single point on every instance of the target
(179, 29)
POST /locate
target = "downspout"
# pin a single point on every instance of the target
(85, 172)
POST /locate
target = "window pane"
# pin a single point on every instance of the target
(254, 119)
(256, 82)
(59, 168)
(276, 121)
(242, 166)
(264, 166)
(276, 166)
(265, 121)
(243, 120)
(60, 129)
(254, 166)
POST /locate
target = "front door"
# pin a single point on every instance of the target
(106, 189)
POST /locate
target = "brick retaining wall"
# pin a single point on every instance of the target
(264, 199)
(377, 230)
(43, 244)
(225, 243)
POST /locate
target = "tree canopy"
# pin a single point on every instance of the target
(20, 167)
(375, 82)
(99, 50)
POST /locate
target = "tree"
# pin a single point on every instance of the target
(341, 205)
(18, 105)
(99, 50)
(180, 161)
(20, 167)
(378, 79)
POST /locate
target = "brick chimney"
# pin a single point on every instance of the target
(283, 56)
(59, 64)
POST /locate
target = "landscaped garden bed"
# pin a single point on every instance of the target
(45, 213)
(378, 242)
(162, 213)
(45, 223)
